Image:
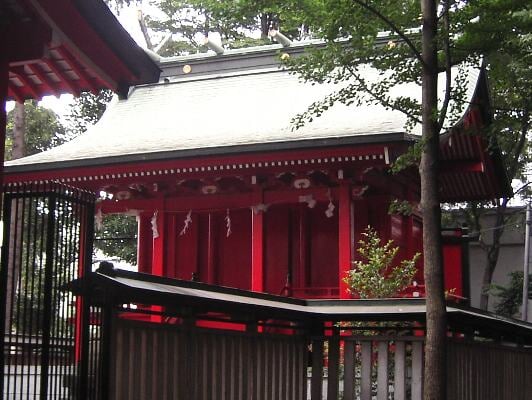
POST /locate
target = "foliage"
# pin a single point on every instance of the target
(119, 230)
(386, 38)
(351, 29)
(236, 22)
(497, 30)
(510, 296)
(401, 207)
(375, 276)
(118, 237)
(502, 35)
(43, 130)
(86, 110)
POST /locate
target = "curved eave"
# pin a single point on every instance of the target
(385, 138)
(110, 31)
(97, 172)
(471, 167)
(71, 46)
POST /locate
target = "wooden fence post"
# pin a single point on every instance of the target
(333, 366)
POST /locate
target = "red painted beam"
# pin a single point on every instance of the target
(200, 166)
(205, 203)
(26, 81)
(461, 166)
(344, 237)
(257, 252)
(492, 179)
(75, 65)
(211, 202)
(410, 243)
(62, 76)
(158, 221)
(144, 242)
(16, 93)
(46, 81)
(157, 265)
(211, 263)
(84, 266)
(304, 262)
(84, 41)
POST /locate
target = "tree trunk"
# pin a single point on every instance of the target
(264, 25)
(493, 249)
(15, 242)
(19, 128)
(435, 346)
(492, 255)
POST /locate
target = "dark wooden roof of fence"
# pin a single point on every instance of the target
(116, 286)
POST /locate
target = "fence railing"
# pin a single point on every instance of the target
(46, 244)
(161, 361)
(246, 352)
(478, 371)
(391, 368)
(367, 367)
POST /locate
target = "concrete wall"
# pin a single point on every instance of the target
(510, 257)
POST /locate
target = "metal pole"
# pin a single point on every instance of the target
(525, 262)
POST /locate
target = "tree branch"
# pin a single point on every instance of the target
(522, 188)
(144, 29)
(447, 55)
(385, 102)
(388, 22)
(525, 124)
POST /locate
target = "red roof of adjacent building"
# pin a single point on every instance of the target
(69, 46)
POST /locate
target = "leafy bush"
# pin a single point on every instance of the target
(375, 276)
(510, 296)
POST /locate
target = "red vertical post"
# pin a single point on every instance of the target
(158, 259)
(170, 246)
(410, 243)
(409, 232)
(158, 222)
(144, 242)
(304, 266)
(84, 266)
(344, 237)
(211, 273)
(257, 251)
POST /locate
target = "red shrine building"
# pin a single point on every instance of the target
(228, 193)
(51, 47)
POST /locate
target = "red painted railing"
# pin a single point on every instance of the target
(316, 292)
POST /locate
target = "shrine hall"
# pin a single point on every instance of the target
(226, 191)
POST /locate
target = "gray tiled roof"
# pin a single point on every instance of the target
(229, 109)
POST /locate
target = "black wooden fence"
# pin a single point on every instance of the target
(47, 242)
(169, 339)
(161, 361)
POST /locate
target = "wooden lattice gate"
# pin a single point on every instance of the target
(47, 242)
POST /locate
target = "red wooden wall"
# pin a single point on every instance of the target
(304, 242)
(206, 251)
(298, 247)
